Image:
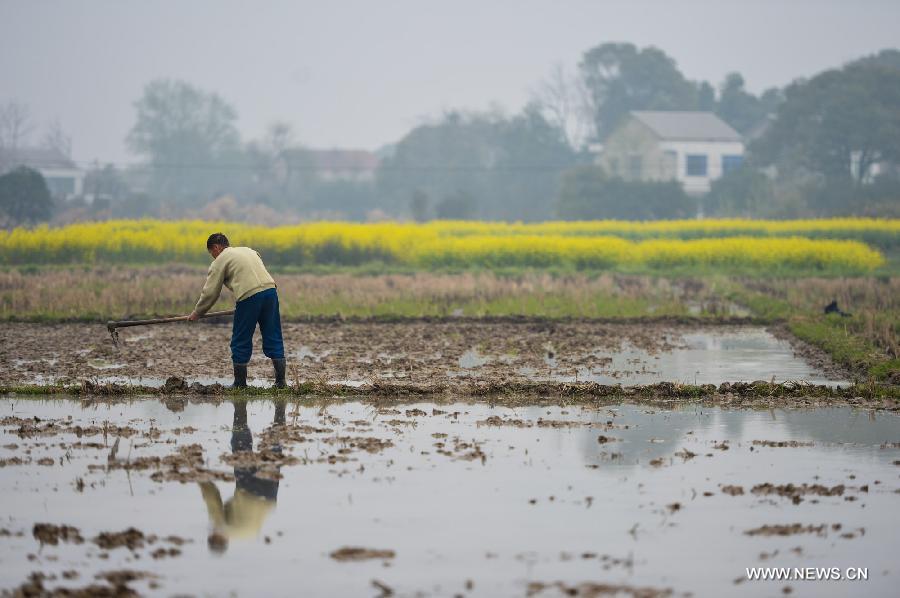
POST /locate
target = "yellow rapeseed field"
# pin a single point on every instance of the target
(835, 244)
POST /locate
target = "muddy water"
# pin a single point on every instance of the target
(449, 499)
(702, 357)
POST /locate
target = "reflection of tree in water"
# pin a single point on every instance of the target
(646, 423)
(842, 424)
(242, 515)
(732, 422)
(633, 444)
(829, 425)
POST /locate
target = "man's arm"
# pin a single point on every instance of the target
(213, 501)
(211, 290)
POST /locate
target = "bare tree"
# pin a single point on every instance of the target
(279, 137)
(56, 138)
(565, 102)
(15, 128)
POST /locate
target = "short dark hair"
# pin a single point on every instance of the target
(217, 239)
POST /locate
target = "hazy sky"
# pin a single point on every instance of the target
(361, 73)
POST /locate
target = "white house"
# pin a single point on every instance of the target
(64, 179)
(693, 148)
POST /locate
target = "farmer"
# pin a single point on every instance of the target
(243, 272)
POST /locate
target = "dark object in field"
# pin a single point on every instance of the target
(112, 326)
(48, 533)
(832, 308)
(130, 538)
(356, 553)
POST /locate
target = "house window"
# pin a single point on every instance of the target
(730, 163)
(634, 167)
(696, 165)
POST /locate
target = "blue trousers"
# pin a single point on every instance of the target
(262, 309)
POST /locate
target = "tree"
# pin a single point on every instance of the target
(441, 158)
(511, 164)
(269, 167)
(188, 137)
(15, 128)
(456, 206)
(741, 109)
(344, 200)
(24, 197)
(564, 102)
(742, 192)
(620, 78)
(889, 58)
(279, 137)
(531, 155)
(838, 124)
(55, 138)
(587, 194)
(706, 97)
(105, 182)
(418, 205)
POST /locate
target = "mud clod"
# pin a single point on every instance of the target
(782, 443)
(48, 533)
(117, 586)
(787, 530)
(797, 493)
(595, 590)
(355, 553)
(130, 538)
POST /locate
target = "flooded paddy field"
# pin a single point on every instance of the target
(421, 352)
(454, 498)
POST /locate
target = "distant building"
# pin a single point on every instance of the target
(64, 178)
(693, 148)
(333, 164)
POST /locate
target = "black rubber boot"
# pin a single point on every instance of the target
(280, 404)
(240, 375)
(280, 367)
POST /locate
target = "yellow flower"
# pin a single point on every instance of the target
(838, 244)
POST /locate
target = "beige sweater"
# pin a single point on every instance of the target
(238, 268)
(240, 517)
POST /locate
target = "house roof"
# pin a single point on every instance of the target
(40, 158)
(686, 125)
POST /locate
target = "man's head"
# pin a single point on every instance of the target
(217, 543)
(216, 243)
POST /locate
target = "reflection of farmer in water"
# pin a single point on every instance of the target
(242, 516)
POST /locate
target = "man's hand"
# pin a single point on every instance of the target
(193, 317)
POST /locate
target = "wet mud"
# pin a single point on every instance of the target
(594, 590)
(415, 353)
(355, 553)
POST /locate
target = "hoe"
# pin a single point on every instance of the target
(113, 326)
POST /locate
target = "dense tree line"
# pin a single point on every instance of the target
(477, 166)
